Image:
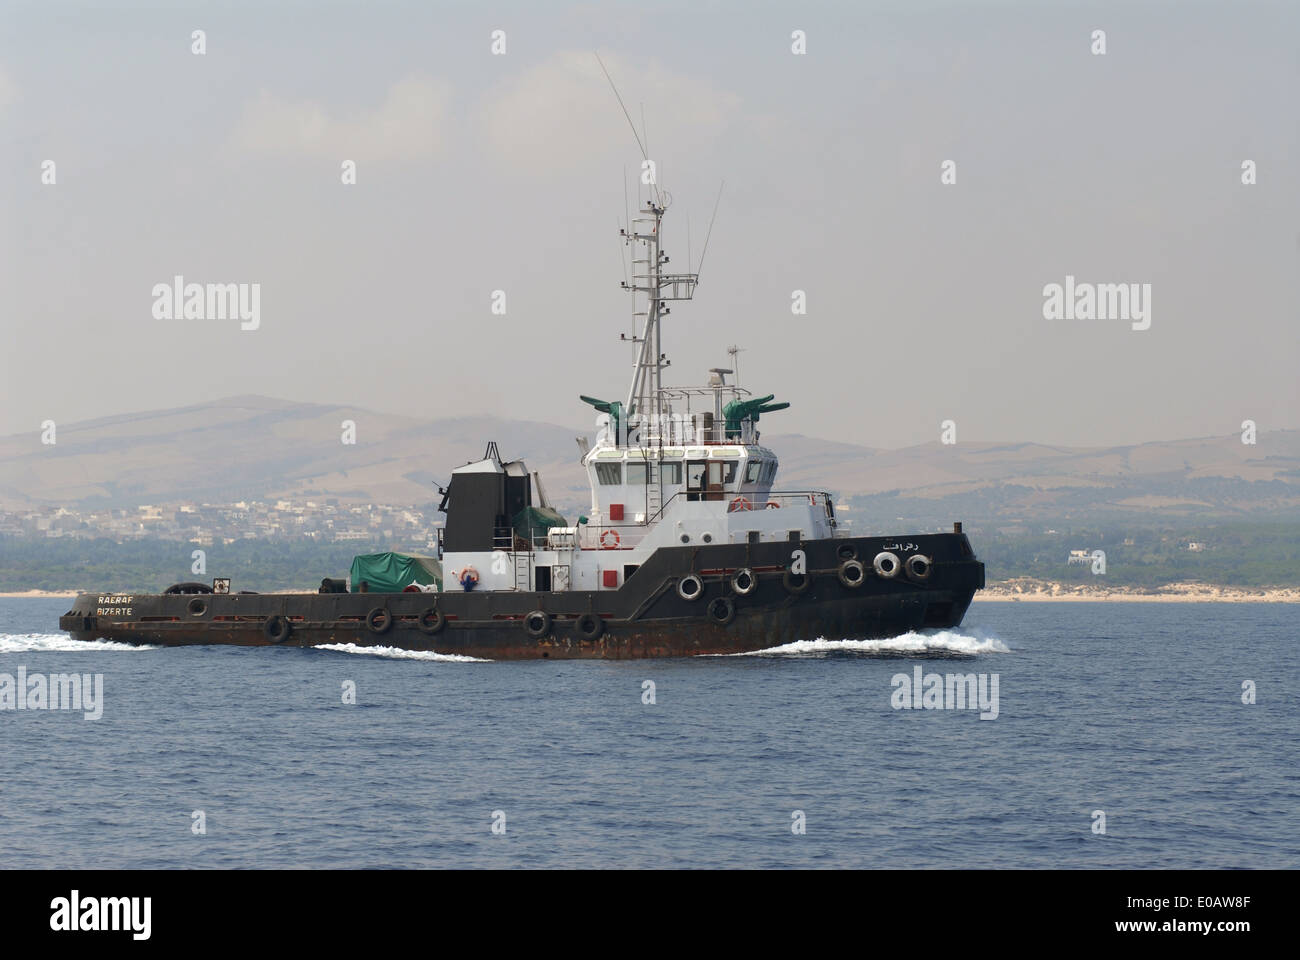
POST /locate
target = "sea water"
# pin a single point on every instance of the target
(1125, 736)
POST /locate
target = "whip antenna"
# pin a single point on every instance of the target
(705, 252)
(644, 155)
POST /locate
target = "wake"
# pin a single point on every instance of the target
(396, 653)
(938, 644)
(60, 643)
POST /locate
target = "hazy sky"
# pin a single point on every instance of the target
(478, 172)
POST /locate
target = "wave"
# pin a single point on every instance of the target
(397, 653)
(60, 643)
(927, 643)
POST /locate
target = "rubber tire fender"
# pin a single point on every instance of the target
(589, 626)
(722, 610)
(276, 628)
(852, 574)
(794, 587)
(912, 563)
(743, 591)
(883, 557)
(535, 627)
(188, 587)
(699, 587)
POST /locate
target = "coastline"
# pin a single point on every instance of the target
(1030, 590)
(1024, 589)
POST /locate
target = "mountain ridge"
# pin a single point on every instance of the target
(257, 447)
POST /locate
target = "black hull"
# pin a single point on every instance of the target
(645, 617)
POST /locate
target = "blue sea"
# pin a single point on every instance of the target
(790, 758)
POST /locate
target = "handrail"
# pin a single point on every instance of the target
(587, 536)
(772, 495)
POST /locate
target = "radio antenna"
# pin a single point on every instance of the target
(644, 155)
(700, 269)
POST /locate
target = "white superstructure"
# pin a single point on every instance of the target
(670, 466)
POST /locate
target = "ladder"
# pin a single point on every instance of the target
(523, 571)
(654, 495)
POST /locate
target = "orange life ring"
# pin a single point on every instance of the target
(610, 546)
(740, 503)
(772, 505)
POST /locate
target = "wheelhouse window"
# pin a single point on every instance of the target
(753, 471)
(609, 474)
(636, 474)
(669, 473)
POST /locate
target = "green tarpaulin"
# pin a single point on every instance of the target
(393, 572)
(533, 522)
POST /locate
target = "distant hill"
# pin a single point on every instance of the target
(253, 447)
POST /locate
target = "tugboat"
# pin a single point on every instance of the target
(689, 548)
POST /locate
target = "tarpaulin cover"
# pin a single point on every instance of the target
(393, 572)
(531, 522)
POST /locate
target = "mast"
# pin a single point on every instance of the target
(651, 287)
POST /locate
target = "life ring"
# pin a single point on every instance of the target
(771, 505)
(590, 626)
(690, 587)
(610, 546)
(537, 624)
(886, 564)
(277, 628)
(740, 503)
(743, 581)
(468, 579)
(919, 567)
(432, 621)
(411, 588)
(722, 610)
(852, 573)
(795, 583)
(379, 620)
